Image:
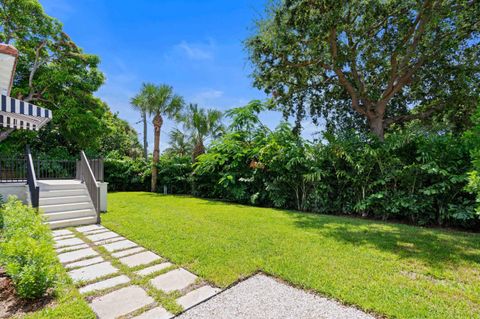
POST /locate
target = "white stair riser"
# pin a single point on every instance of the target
(62, 193)
(70, 215)
(63, 199)
(72, 222)
(65, 207)
(60, 187)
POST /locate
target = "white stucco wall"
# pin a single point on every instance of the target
(17, 189)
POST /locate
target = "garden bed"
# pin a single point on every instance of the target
(12, 305)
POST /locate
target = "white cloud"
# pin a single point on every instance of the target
(207, 96)
(196, 51)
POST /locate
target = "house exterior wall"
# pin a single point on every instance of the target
(20, 190)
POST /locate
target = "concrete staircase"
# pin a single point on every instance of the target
(66, 203)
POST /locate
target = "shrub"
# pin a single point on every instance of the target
(27, 252)
(472, 138)
(127, 174)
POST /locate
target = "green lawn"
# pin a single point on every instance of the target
(389, 269)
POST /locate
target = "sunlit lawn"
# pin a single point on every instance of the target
(388, 269)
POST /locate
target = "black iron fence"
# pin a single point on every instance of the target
(14, 170)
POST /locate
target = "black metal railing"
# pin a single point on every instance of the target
(97, 167)
(32, 179)
(55, 169)
(88, 178)
(13, 170)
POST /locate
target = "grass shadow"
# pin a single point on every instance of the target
(436, 247)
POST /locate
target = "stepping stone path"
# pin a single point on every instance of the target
(111, 291)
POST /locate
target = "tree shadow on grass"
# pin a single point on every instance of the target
(438, 248)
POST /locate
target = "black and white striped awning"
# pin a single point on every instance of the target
(18, 114)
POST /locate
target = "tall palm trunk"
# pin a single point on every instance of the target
(157, 124)
(145, 140)
(198, 150)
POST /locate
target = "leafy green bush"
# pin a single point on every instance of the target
(27, 250)
(127, 174)
(414, 175)
(124, 173)
(472, 138)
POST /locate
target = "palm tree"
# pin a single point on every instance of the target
(138, 102)
(160, 101)
(179, 143)
(202, 124)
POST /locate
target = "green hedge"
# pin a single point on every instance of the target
(127, 174)
(26, 250)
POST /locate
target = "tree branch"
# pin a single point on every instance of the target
(417, 116)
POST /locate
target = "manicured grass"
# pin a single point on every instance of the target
(393, 270)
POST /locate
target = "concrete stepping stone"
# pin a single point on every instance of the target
(119, 245)
(120, 302)
(150, 270)
(68, 242)
(101, 236)
(61, 232)
(71, 248)
(144, 258)
(155, 313)
(86, 262)
(127, 252)
(176, 279)
(88, 228)
(108, 283)
(63, 237)
(96, 231)
(92, 272)
(108, 241)
(197, 296)
(76, 255)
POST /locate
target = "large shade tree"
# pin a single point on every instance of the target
(160, 101)
(378, 62)
(53, 72)
(201, 124)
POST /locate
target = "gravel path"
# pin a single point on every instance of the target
(263, 297)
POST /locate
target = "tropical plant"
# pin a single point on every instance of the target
(201, 125)
(472, 138)
(179, 143)
(159, 101)
(370, 60)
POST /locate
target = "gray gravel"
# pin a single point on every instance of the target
(263, 297)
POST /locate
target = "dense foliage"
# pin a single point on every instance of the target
(26, 250)
(415, 175)
(472, 138)
(368, 63)
(124, 173)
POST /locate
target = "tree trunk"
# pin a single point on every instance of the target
(145, 140)
(198, 150)
(157, 124)
(376, 127)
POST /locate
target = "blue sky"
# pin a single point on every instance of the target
(195, 46)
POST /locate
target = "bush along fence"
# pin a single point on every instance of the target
(26, 250)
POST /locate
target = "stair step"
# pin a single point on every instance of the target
(66, 207)
(63, 199)
(61, 186)
(72, 222)
(72, 214)
(62, 192)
